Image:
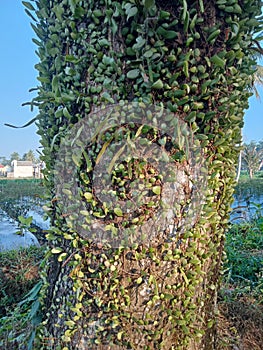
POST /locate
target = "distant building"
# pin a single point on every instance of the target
(37, 170)
(4, 169)
(24, 169)
(21, 168)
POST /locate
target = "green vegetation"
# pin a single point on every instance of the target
(17, 196)
(194, 59)
(248, 188)
(252, 157)
(18, 274)
(240, 322)
(244, 251)
(14, 189)
(29, 156)
(19, 269)
(240, 297)
(19, 304)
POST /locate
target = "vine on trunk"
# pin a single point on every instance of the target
(192, 58)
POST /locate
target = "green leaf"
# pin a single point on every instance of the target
(50, 236)
(28, 5)
(32, 294)
(157, 85)
(55, 83)
(104, 42)
(44, 80)
(107, 97)
(114, 26)
(139, 280)
(38, 43)
(118, 211)
(131, 11)
(119, 335)
(67, 191)
(97, 214)
(108, 61)
(133, 74)
(56, 250)
(30, 15)
(167, 34)
(88, 196)
(31, 340)
(149, 53)
(140, 42)
(70, 323)
(76, 159)
(62, 257)
(168, 296)
(149, 3)
(97, 13)
(71, 58)
(156, 190)
(218, 61)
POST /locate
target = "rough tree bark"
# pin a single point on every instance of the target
(191, 59)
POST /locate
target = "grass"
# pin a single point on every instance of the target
(18, 274)
(14, 189)
(19, 305)
(240, 321)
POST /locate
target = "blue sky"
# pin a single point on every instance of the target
(18, 75)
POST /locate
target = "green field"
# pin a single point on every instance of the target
(14, 189)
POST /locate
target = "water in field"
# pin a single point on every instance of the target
(38, 218)
(246, 208)
(9, 239)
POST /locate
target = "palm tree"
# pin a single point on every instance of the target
(14, 156)
(30, 156)
(257, 80)
(159, 295)
(252, 158)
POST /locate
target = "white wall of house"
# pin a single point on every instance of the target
(22, 169)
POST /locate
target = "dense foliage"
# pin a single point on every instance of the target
(193, 58)
(240, 297)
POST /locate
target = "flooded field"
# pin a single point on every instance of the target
(20, 198)
(10, 239)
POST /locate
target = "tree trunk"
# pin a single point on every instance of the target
(141, 107)
(239, 163)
